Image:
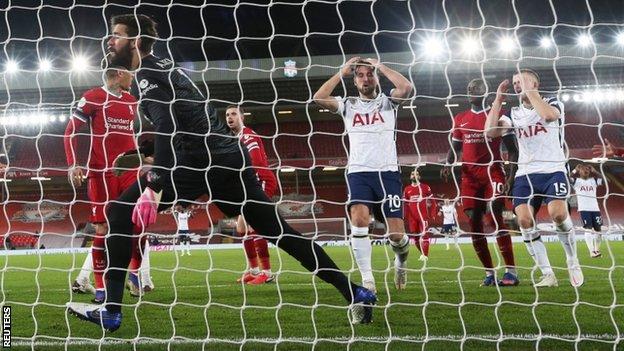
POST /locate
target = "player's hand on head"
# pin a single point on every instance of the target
(501, 92)
(75, 176)
(347, 68)
(445, 173)
(373, 62)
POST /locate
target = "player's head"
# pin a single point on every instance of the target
(235, 117)
(365, 78)
(476, 91)
(584, 171)
(415, 176)
(132, 36)
(528, 74)
(119, 76)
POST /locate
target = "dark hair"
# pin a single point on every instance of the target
(532, 72)
(240, 108)
(111, 71)
(139, 26)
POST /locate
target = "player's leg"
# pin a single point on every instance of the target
(597, 224)
(556, 193)
(249, 247)
(188, 243)
(586, 217)
(264, 259)
(472, 194)
(82, 284)
(361, 197)
(136, 260)
(388, 188)
(525, 207)
(503, 239)
(145, 270)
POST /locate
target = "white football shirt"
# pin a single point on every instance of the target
(585, 190)
(540, 142)
(448, 213)
(371, 127)
(183, 218)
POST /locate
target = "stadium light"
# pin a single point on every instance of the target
(584, 40)
(284, 112)
(45, 65)
(62, 118)
(246, 113)
(5, 180)
(52, 118)
(546, 42)
(79, 63)
(565, 97)
(287, 170)
(469, 46)
(506, 44)
(328, 168)
(578, 97)
(620, 38)
(11, 66)
(433, 47)
(40, 178)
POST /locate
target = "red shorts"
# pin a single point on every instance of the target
(480, 187)
(104, 187)
(417, 226)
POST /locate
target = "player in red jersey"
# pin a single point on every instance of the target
(109, 111)
(419, 207)
(483, 180)
(256, 247)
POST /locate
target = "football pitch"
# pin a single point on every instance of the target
(198, 306)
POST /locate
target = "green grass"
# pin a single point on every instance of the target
(197, 306)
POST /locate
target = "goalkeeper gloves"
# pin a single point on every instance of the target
(146, 208)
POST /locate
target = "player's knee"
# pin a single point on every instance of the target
(559, 217)
(477, 238)
(525, 222)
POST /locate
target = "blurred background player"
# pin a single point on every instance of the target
(182, 215)
(419, 207)
(541, 176)
(449, 221)
(483, 181)
(373, 176)
(607, 150)
(210, 161)
(586, 180)
(256, 247)
(109, 111)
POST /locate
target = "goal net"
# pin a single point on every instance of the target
(271, 57)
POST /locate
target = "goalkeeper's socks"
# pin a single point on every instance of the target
(114, 295)
(362, 251)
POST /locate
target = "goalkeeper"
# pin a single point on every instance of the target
(194, 154)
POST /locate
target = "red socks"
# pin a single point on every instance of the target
(262, 250)
(98, 253)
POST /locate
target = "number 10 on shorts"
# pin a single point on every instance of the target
(394, 202)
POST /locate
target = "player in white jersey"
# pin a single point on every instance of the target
(541, 176)
(586, 181)
(182, 216)
(374, 180)
(449, 220)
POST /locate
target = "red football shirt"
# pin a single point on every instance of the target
(416, 198)
(468, 128)
(111, 120)
(259, 159)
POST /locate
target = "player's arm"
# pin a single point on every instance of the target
(78, 119)
(456, 149)
(575, 172)
(402, 86)
(406, 212)
(323, 97)
(509, 140)
(495, 126)
(597, 175)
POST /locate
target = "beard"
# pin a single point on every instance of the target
(367, 90)
(122, 57)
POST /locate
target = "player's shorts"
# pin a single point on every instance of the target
(480, 187)
(380, 191)
(183, 236)
(591, 220)
(540, 187)
(448, 228)
(417, 226)
(104, 187)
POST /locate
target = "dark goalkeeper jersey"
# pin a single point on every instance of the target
(178, 109)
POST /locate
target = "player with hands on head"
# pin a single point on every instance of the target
(541, 177)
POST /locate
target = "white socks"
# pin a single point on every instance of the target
(362, 251)
(146, 279)
(401, 247)
(565, 233)
(87, 268)
(537, 250)
(593, 241)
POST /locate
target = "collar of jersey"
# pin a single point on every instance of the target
(484, 110)
(110, 92)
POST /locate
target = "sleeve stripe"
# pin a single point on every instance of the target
(79, 117)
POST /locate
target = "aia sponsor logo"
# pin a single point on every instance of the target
(531, 131)
(365, 119)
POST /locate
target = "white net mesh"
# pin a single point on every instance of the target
(271, 58)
